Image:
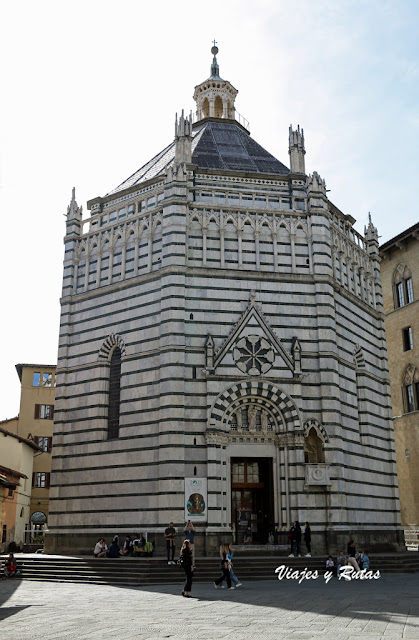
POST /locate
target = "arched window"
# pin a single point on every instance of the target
(402, 286)
(218, 107)
(410, 389)
(205, 108)
(313, 448)
(114, 394)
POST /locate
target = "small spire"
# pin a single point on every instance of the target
(370, 232)
(73, 210)
(215, 69)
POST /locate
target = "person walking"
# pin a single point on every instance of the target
(230, 565)
(224, 567)
(351, 551)
(307, 539)
(187, 565)
(170, 535)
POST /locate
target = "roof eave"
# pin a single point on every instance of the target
(198, 123)
(407, 234)
(242, 174)
(19, 367)
(105, 199)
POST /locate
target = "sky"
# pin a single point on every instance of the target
(89, 94)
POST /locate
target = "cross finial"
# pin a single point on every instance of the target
(214, 42)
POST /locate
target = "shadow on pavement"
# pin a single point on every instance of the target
(392, 598)
(6, 612)
(7, 588)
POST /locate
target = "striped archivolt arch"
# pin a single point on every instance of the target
(108, 345)
(264, 395)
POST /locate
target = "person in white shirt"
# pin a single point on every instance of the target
(100, 548)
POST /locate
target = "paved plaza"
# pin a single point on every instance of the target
(387, 608)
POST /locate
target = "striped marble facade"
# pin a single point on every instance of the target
(199, 261)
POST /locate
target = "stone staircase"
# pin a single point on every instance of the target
(155, 571)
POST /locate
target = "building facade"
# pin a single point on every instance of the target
(221, 329)
(16, 467)
(400, 277)
(35, 423)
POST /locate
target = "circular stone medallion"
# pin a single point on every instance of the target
(253, 355)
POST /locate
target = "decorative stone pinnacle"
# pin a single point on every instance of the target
(215, 69)
(72, 207)
(370, 232)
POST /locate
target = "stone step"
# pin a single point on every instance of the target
(154, 571)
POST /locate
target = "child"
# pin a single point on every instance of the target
(330, 565)
(342, 561)
(365, 561)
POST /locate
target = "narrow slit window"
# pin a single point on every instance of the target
(114, 394)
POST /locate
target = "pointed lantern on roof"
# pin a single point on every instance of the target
(215, 97)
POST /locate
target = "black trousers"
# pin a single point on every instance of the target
(170, 546)
(308, 545)
(226, 577)
(189, 576)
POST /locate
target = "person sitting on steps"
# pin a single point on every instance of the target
(100, 548)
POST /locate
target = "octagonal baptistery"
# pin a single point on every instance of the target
(222, 355)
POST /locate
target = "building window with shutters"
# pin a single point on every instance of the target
(40, 480)
(44, 411)
(44, 443)
(114, 394)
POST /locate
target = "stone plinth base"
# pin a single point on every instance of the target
(207, 543)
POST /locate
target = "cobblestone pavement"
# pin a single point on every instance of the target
(383, 609)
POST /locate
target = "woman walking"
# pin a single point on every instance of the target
(225, 568)
(351, 551)
(186, 563)
(230, 566)
(307, 539)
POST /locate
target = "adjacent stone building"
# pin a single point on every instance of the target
(400, 276)
(222, 353)
(16, 464)
(35, 423)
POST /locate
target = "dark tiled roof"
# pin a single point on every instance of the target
(226, 146)
(216, 145)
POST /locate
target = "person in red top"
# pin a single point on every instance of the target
(10, 566)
